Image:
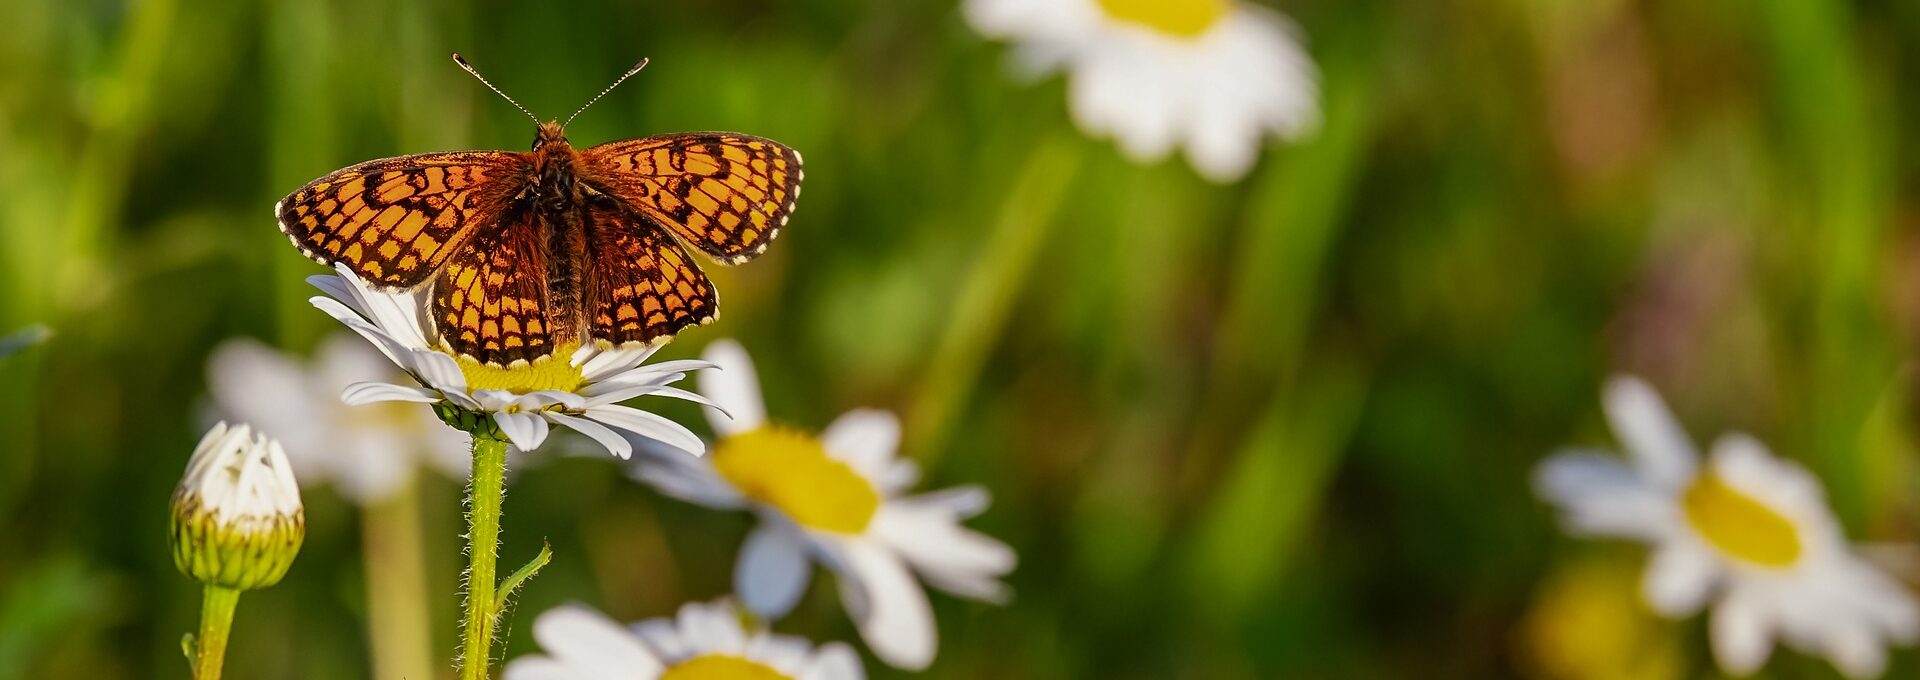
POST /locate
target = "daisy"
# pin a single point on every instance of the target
(581, 391)
(1216, 76)
(836, 499)
(369, 453)
(1745, 531)
(705, 642)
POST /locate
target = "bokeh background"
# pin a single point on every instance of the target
(1281, 428)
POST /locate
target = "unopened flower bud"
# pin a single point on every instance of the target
(237, 518)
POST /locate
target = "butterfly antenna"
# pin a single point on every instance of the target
(462, 61)
(616, 83)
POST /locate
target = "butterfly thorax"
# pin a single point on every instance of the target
(556, 203)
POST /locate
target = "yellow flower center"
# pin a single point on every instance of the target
(791, 471)
(722, 667)
(1740, 526)
(551, 372)
(1178, 18)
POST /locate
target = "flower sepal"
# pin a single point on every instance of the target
(476, 423)
(233, 556)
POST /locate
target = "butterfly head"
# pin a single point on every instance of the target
(550, 134)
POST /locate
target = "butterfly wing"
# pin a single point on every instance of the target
(726, 194)
(396, 221)
(642, 286)
(489, 302)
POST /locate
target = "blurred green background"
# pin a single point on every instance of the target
(1276, 429)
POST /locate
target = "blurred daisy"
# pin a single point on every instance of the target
(1747, 531)
(705, 642)
(836, 499)
(1216, 76)
(581, 391)
(368, 452)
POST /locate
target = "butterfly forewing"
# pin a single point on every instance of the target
(396, 221)
(644, 288)
(725, 194)
(490, 302)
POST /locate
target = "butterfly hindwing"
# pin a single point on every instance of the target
(726, 194)
(642, 286)
(396, 221)
(490, 301)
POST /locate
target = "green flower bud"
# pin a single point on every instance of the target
(237, 518)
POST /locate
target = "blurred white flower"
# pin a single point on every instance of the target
(237, 517)
(367, 452)
(581, 391)
(705, 642)
(835, 499)
(1216, 76)
(1747, 531)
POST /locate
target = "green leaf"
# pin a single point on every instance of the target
(520, 575)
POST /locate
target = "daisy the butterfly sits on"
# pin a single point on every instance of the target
(526, 253)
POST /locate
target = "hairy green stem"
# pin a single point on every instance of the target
(216, 619)
(484, 496)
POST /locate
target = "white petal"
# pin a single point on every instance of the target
(540, 399)
(689, 479)
(734, 386)
(1854, 649)
(711, 628)
(526, 430)
(1658, 446)
(1598, 495)
(950, 557)
(664, 638)
(785, 653)
(894, 617)
(612, 362)
(650, 425)
(960, 502)
(615, 444)
(1742, 636)
(1679, 578)
(541, 668)
(592, 644)
(834, 661)
(361, 394)
(440, 372)
(772, 571)
(865, 439)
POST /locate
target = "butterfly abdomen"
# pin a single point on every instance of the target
(566, 271)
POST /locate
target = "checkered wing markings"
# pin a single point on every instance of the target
(395, 221)
(644, 287)
(723, 193)
(489, 303)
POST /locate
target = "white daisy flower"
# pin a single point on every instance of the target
(835, 499)
(1747, 532)
(705, 642)
(1216, 76)
(368, 452)
(580, 392)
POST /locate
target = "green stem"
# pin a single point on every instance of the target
(399, 622)
(484, 496)
(216, 619)
(992, 287)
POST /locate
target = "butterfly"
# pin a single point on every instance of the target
(526, 253)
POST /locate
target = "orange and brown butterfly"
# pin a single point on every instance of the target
(526, 253)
